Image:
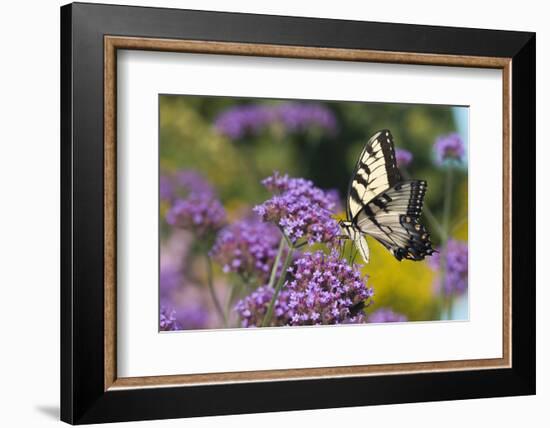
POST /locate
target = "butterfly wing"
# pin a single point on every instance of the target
(360, 243)
(392, 218)
(375, 171)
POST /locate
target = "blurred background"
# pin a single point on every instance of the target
(224, 147)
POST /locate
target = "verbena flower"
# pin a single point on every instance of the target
(239, 121)
(248, 248)
(386, 315)
(167, 321)
(252, 119)
(194, 204)
(166, 188)
(201, 214)
(324, 289)
(189, 181)
(298, 117)
(252, 309)
(403, 157)
(456, 267)
(300, 209)
(449, 149)
(192, 316)
(182, 183)
(319, 289)
(170, 278)
(333, 195)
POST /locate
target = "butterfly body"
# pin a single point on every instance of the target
(382, 205)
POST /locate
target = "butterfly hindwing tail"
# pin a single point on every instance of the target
(418, 245)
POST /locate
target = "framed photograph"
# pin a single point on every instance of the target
(264, 213)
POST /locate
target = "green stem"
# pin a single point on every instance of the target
(433, 221)
(446, 304)
(235, 290)
(276, 263)
(213, 295)
(269, 314)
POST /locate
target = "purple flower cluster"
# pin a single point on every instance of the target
(319, 289)
(169, 280)
(403, 157)
(182, 183)
(166, 188)
(300, 209)
(298, 117)
(198, 213)
(240, 121)
(252, 308)
(449, 148)
(248, 248)
(185, 318)
(194, 205)
(456, 273)
(386, 315)
(324, 289)
(192, 182)
(167, 321)
(191, 317)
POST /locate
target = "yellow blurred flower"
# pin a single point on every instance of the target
(405, 286)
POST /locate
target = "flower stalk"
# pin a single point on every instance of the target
(276, 262)
(213, 295)
(269, 314)
(446, 302)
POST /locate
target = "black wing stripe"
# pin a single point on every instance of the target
(365, 167)
(392, 218)
(375, 171)
(381, 205)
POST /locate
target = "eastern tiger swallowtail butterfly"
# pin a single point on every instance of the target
(382, 205)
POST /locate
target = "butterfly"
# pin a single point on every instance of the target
(382, 205)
